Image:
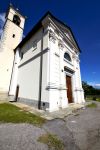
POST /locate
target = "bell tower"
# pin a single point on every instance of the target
(11, 37)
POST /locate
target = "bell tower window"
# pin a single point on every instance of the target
(16, 20)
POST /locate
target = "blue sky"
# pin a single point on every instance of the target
(82, 16)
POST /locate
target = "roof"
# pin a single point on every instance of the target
(39, 25)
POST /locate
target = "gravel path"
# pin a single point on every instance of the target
(20, 137)
(80, 131)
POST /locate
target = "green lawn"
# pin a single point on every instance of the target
(92, 97)
(12, 114)
(92, 105)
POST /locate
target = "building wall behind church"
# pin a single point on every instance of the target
(7, 45)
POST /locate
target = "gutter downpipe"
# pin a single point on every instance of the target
(40, 78)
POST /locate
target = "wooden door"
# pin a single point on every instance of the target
(69, 88)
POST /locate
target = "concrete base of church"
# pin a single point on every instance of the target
(31, 102)
(54, 103)
(4, 96)
(46, 107)
(34, 103)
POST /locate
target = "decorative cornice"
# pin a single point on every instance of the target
(60, 44)
(55, 86)
(46, 21)
(52, 36)
(73, 56)
(76, 58)
(79, 89)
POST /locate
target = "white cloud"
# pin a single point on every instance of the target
(91, 83)
(98, 84)
(2, 21)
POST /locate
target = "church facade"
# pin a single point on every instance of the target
(46, 67)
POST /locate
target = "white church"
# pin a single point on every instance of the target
(43, 69)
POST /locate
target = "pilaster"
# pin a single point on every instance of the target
(78, 91)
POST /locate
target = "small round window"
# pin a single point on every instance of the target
(67, 57)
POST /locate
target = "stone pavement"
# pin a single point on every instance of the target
(50, 115)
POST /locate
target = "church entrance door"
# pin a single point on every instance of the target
(69, 88)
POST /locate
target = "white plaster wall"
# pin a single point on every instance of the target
(9, 29)
(45, 67)
(44, 90)
(6, 62)
(29, 74)
(54, 76)
(7, 45)
(28, 80)
(29, 71)
(78, 91)
(28, 49)
(14, 76)
(29, 84)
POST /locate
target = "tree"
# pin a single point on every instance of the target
(89, 90)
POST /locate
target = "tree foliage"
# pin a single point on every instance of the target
(90, 90)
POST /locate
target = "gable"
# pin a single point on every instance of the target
(64, 28)
(66, 31)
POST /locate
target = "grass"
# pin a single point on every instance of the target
(12, 114)
(91, 97)
(92, 105)
(98, 99)
(52, 141)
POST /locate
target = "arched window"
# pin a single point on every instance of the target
(67, 57)
(16, 20)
